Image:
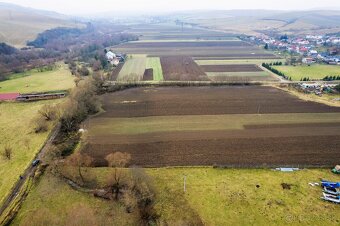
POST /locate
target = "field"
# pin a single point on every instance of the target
(212, 197)
(34, 81)
(217, 61)
(231, 68)
(16, 132)
(234, 126)
(53, 202)
(182, 69)
(227, 49)
(230, 197)
(178, 47)
(133, 69)
(313, 72)
(155, 64)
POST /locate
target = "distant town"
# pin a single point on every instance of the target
(311, 48)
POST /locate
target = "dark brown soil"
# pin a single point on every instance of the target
(231, 68)
(181, 68)
(298, 145)
(206, 101)
(186, 44)
(115, 72)
(148, 75)
(238, 152)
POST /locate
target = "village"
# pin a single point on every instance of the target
(311, 48)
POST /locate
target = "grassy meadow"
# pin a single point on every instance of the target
(244, 197)
(212, 196)
(35, 81)
(316, 71)
(53, 202)
(16, 132)
(155, 64)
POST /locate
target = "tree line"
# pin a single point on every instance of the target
(279, 73)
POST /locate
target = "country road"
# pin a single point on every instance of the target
(29, 171)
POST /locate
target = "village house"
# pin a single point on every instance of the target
(308, 60)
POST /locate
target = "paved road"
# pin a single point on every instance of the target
(29, 171)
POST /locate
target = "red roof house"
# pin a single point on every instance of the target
(8, 96)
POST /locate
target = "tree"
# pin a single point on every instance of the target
(7, 152)
(83, 71)
(266, 46)
(118, 160)
(39, 125)
(49, 112)
(80, 160)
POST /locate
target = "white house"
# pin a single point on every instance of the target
(110, 55)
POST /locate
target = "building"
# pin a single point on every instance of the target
(8, 96)
(308, 60)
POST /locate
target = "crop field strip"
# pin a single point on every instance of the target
(182, 68)
(133, 69)
(232, 68)
(239, 126)
(231, 49)
(154, 63)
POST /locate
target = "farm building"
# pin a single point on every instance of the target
(308, 60)
(40, 96)
(8, 96)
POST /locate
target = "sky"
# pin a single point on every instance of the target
(96, 6)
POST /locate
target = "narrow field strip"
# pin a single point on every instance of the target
(240, 74)
(155, 64)
(133, 69)
(141, 125)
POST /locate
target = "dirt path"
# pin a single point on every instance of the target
(29, 171)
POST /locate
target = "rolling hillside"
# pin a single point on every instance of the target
(254, 21)
(19, 24)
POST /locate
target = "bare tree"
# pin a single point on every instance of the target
(80, 160)
(39, 125)
(49, 112)
(118, 160)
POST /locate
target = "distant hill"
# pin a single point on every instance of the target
(20, 24)
(255, 21)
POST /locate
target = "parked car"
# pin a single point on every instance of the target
(36, 162)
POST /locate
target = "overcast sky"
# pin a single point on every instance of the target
(96, 6)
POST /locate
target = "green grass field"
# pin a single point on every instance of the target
(133, 69)
(242, 61)
(213, 196)
(16, 132)
(316, 71)
(53, 202)
(230, 196)
(155, 64)
(106, 126)
(34, 81)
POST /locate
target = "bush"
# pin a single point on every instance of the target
(40, 125)
(7, 152)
